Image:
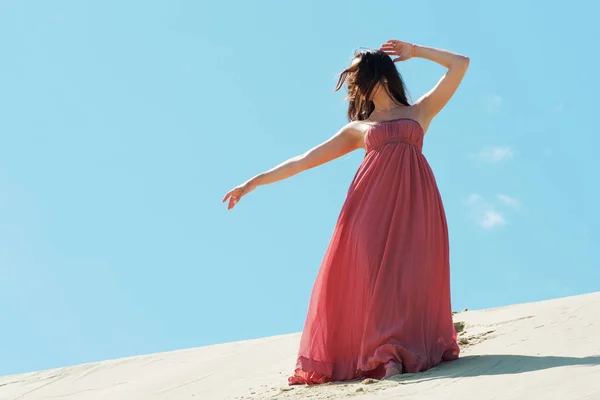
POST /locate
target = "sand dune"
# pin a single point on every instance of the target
(545, 350)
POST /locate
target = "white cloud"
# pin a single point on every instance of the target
(493, 103)
(484, 213)
(509, 200)
(495, 154)
(492, 219)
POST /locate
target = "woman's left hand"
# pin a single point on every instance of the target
(402, 50)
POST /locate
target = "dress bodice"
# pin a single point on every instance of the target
(404, 130)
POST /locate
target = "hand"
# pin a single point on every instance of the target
(235, 194)
(402, 50)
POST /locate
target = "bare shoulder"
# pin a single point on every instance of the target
(355, 132)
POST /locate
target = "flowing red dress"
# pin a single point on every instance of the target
(383, 289)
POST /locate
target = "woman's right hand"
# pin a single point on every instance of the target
(235, 194)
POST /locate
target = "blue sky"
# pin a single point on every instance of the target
(124, 124)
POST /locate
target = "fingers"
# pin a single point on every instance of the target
(233, 200)
(390, 50)
(234, 196)
(392, 47)
(231, 193)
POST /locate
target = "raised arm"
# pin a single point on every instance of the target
(433, 101)
(344, 141)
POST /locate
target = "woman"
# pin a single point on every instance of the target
(380, 305)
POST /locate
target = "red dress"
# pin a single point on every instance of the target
(383, 290)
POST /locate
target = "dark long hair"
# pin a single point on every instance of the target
(361, 77)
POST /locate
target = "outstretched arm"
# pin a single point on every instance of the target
(433, 101)
(344, 141)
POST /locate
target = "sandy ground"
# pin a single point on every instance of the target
(545, 350)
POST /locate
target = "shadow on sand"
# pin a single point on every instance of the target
(494, 364)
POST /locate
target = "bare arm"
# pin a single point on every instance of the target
(344, 141)
(433, 101)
